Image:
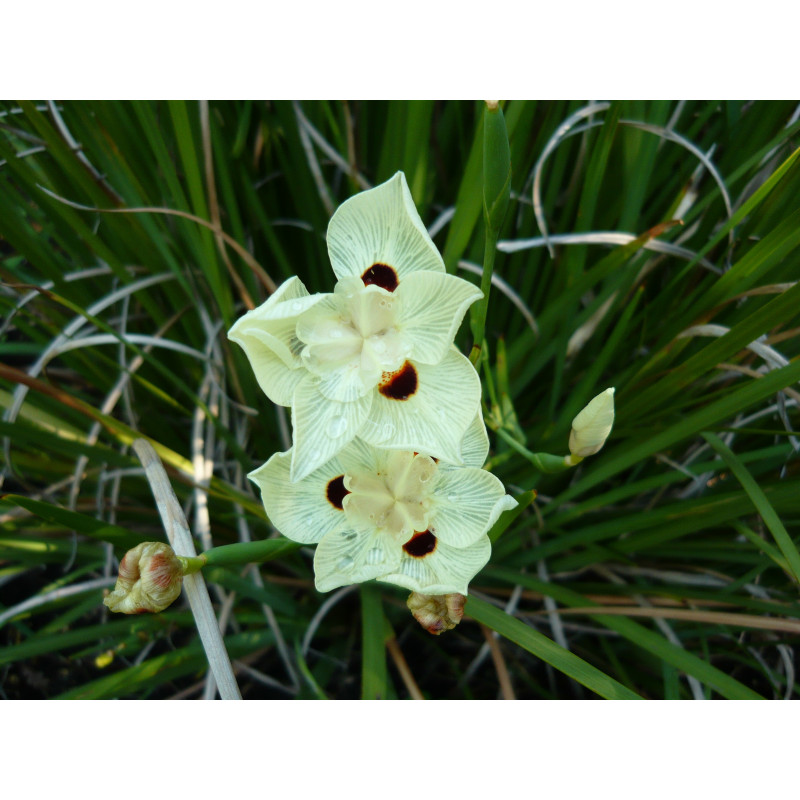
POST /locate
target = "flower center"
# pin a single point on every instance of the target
(395, 499)
(355, 333)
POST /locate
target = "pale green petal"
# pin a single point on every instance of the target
(466, 504)
(434, 419)
(344, 385)
(381, 226)
(475, 445)
(431, 308)
(347, 556)
(300, 511)
(276, 320)
(277, 381)
(444, 571)
(321, 426)
(268, 337)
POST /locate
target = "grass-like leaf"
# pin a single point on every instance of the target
(542, 647)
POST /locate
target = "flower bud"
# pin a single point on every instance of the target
(437, 612)
(591, 427)
(150, 578)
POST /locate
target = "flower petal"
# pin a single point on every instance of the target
(304, 511)
(435, 417)
(277, 318)
(321, 426)
(267, 336)
(277, 381)
(475, 445)
(444, 571)
(431, 308)
(381, 226)
(347, 556)
(466, 504)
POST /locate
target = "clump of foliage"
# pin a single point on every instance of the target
(648, 246)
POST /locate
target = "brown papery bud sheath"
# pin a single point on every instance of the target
(437, 612)
(150, 578)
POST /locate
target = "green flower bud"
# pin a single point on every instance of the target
(591, 427)
(496, 167)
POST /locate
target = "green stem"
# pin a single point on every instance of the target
(249, 552)
(544, 462)
(478, 321)
(191, 564)
(496, 192)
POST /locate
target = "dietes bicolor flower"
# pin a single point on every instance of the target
(399, 516)
(374, 359)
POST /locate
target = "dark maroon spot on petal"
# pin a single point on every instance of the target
(399, 385)
(336, 492)
(420, 544)
(381, 275)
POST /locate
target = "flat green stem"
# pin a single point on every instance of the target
(478, 321)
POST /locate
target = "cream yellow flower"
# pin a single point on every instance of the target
(374, 359)
(395, 515)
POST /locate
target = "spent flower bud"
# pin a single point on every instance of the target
(591, 427)
(437, 612)
(150, 578)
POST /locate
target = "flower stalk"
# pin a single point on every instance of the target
(496, 193)
(589, 432)
(257, 552)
